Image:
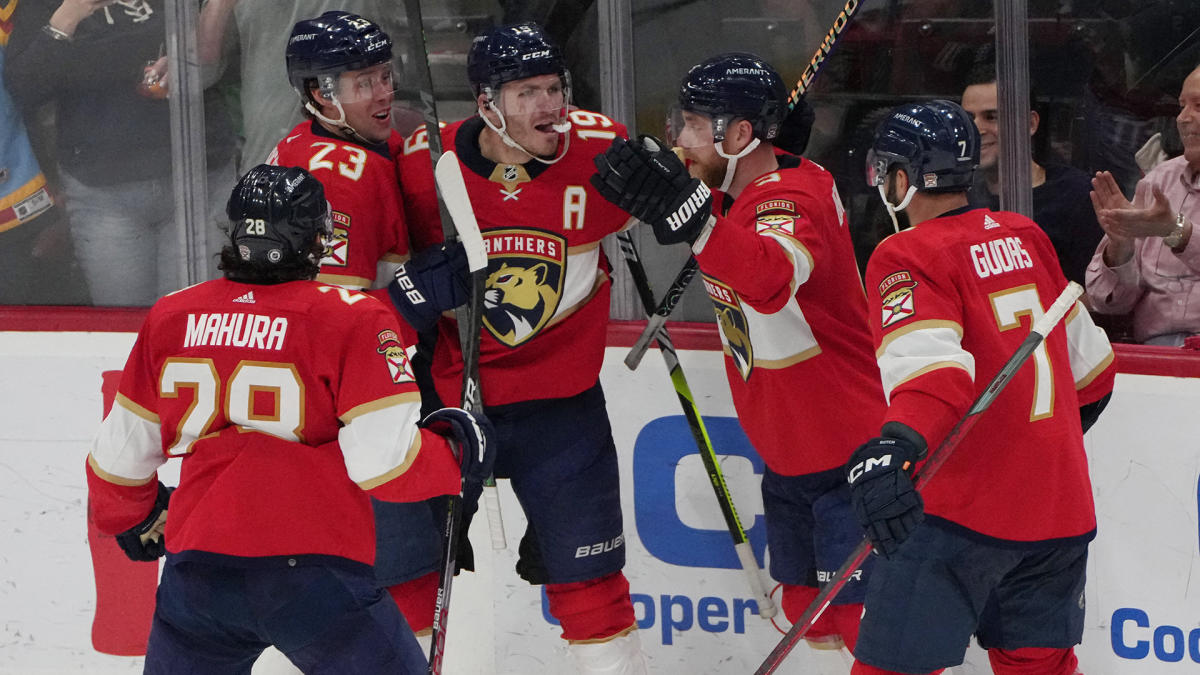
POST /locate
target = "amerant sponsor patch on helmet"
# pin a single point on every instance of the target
(930, 180)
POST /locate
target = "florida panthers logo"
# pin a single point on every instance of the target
(395, 355)
(735, 330)
(524, 283)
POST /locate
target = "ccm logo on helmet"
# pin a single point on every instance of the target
(864, 466)
(688, 209)
(535, 55)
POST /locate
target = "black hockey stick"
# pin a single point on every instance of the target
(452, 201)
(663, 311)
(745, 554)
(1041, 328)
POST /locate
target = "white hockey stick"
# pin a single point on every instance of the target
(453, 187)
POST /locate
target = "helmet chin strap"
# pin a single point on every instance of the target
(562, 127)
(339, 123)
(731, 166)
(912, 190)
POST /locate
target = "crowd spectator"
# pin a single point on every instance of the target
(1148, 262)
(100, 64)
(1061, 206)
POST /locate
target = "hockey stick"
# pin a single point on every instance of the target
(458, 223)
(1041, 328)
(675, 293)
(745, 554)
(450, 187)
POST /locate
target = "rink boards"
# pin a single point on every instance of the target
(694, 607)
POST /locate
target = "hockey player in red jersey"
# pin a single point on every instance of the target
(996, 544)
(289, 401)
(526, 159)
(779, 267)
(340, 66)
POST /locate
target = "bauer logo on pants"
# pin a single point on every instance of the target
(524, 283)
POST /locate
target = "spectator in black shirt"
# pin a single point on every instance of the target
(1060, 193)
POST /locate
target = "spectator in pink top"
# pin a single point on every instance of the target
(1148, 262)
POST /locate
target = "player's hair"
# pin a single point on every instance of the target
(302, 268)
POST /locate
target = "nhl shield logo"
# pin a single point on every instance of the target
(526, 268)
(734, 327)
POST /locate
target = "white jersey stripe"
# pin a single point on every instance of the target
(916, 352)
(381, 444)
(1089, 347)
(127, 449)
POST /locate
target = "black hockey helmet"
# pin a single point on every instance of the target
(275, 213)
(736, 85)
(513, 52)
(331, 44)
(935, 143)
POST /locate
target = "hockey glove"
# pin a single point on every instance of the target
(472, 439)
(435, 280)
(887, 505)
(796, 128)
(145, 542)
(654, 187)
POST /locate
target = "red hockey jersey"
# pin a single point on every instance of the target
(370, 237)
(285, 402)
(547, 297)
(780, 270)
(952, 299)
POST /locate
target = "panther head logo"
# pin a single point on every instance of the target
(735, 329)
(733, 326)
(518, 301)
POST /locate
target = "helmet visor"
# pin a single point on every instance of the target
(539, 98)
(367, 84)
(686, 129)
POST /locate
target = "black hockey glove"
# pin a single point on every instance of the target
(472, 439)
(138, 542)
(654, 186)
(433, 281)
(796, 128)
(887, 505)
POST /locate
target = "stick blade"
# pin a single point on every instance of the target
(448, 173)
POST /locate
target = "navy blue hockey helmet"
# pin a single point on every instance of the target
(512, 52)
(275, 213)
(331, 44)
(935, 143)
(736, 85)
